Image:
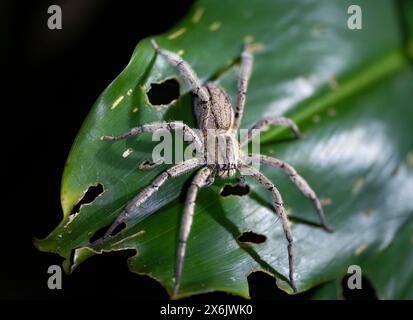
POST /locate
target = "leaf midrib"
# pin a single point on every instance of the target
(373, 73)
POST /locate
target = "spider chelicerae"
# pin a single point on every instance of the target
(217, 121)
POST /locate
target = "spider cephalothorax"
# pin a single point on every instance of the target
(218, 152)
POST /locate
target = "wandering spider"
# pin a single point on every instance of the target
(214, 113)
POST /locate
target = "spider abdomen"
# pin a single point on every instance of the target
(215, 118)
(217, 112)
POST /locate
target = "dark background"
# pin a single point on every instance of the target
(51, 81)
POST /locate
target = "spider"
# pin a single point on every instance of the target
(214, 113)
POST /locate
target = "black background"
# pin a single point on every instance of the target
(51, 81)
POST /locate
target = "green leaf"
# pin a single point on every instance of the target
(350, 92)
(389, 270)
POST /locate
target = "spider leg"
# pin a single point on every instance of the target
(263, 124)
(244, 76)
(200, 180)
(189, 134)
(279, 209)
(141, 197)
(185, 70)
(299, 181)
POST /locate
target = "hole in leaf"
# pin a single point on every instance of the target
(91, 194)
(163, 93)
(147, 164)
(366, 292)
(263, 286)
(107, 277)
(101, 232)
(252, 237)
(236, 190)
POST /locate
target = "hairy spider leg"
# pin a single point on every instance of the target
(142, 196)
(279, 209)
(185, 70)
(298, 180)
(264, 123)
(244, 76)
(200, 180)
(189, 134)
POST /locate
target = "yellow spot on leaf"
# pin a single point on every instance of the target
(326, 201)
(331, 112)
(198, 15)
(360, 249)
(129, 92)
(288, 211)
(117, 101)
(215, 26)
(127, 152)
(181, 52)
(135, 109)
(333, 83)
(255, 46)
(409, 159)
(357, 184)
(177, 33)
(316, 118)
(248, 39)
